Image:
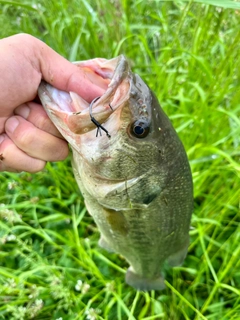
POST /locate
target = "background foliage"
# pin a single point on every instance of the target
(189, 53)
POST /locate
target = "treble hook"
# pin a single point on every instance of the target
(97, 124)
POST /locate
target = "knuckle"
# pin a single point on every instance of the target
(25, 137)
(24, 37)
(14, 159)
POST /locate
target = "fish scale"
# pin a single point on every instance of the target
(135, 177)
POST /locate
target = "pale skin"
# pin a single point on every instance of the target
(28, 139)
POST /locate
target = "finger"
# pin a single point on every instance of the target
(15, 160)
(32, 60)
(35, 142)
(66, 76)
(34, 113)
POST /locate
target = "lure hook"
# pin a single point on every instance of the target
(97, 124)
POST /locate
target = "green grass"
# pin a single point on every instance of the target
(189, 54)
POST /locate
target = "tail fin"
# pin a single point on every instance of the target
(141, 283)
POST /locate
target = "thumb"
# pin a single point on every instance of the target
(25, 61)
(64, 75)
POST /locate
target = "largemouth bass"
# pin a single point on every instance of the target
(131, 168)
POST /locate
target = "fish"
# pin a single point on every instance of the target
(131, 168)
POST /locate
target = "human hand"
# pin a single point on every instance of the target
(27, 136)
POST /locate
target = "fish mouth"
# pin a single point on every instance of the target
(71, 112)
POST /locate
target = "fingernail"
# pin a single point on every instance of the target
(12, 124)
(22, 111)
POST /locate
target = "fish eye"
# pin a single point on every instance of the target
(140, 129)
